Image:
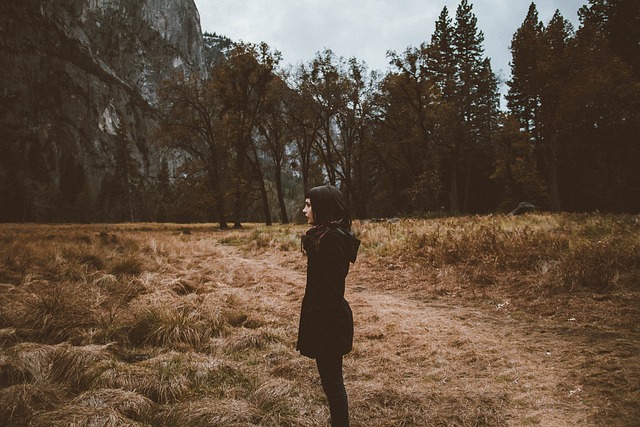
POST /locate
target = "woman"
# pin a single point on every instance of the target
(326, 323)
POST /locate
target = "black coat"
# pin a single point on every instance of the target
(326, 321)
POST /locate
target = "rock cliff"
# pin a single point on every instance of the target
(78, 80)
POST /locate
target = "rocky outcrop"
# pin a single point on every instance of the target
(78, 78)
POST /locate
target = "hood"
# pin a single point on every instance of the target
(311, 240)
(352, 243)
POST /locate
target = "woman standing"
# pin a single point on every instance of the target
(326, 322)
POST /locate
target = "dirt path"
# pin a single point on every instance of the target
(413, 356)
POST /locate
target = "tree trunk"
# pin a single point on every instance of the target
(453, 188)
(239, 181)
(467, 187)
(284, 219)
(265, 202)
(554, 191)
(263, 188)
(218, 195)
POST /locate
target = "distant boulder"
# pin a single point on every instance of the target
(523, 208)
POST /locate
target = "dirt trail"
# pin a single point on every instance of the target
(420, 354)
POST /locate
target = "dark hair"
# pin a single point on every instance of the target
(328, 205)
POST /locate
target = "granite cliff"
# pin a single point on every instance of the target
(78, 82)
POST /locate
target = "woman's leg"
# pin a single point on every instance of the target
(330, 370)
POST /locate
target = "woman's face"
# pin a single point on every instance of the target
(308, 212)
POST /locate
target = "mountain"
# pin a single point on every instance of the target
(78, 94)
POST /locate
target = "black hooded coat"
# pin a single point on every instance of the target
(326, 320)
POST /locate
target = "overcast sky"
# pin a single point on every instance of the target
(367, 29)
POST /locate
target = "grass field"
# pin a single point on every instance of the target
(469, 321)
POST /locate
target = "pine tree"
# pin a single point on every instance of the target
(553, 71)
(476, 101)
(523, 99)
(441, 59)
(600, 155)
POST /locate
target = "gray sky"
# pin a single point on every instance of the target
(367, 29)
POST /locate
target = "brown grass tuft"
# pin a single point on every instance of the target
(78, 367)
(274, 400)
(57, 312)
(33, 360)
(257, 339)
(13, 372)
(81, 416)
(175, 325)
(211, 413)
(20, 402)
(225, 380)
(598, 264)
(166, 378)
(185, 287)
(127, 267)
(128, 403)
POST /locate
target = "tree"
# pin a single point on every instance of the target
(325, 84)
(72, 184)
(409, 100)
(600, 155)
(304, 120)
(476, 100)
(539, 69)
(523, 97)
(330, 118)
(191, 121)
(619, 22)
(552, 72)
(276, 136)
(515, 167)
(441, 60)
(241, 84)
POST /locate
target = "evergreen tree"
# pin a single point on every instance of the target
(523, 99)
(600, 156)
(476, 101)
(410, 102)
(515, 167)
(163, 192)
(441, 60)
(72, 184)
(619, 22)
(553, 70)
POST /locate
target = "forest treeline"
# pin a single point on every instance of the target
(429, 135)
(245, 139)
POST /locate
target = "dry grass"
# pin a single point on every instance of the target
(477, 321)
(21, 402)
(211, 412)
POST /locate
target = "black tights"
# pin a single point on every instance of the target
(330, 370)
